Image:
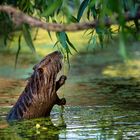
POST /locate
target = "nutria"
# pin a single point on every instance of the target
(39, 95)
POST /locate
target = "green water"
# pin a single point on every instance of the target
(103, 100)
(79, 122)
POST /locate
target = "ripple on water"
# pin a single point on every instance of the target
(100, 122)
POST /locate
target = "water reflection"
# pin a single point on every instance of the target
(101, 122)
(78, 122)
(100, 109)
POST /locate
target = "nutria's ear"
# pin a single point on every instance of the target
(40, 70)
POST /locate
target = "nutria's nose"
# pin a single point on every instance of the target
(59, 54)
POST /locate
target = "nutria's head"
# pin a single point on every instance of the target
(52, 63)
(45, 72)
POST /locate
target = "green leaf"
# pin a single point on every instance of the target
(49, 33)
(88, 14)
(36, 33)
(71, 45)
(73, 19)
(101, 40)
(94, 12)
(122, 49)
(51, 8)
(92, 9)
(5, 39)
(92, 3)
(18, 50)
(81, 9)
(94, 41)
(68, 59)
(27, 37)
(56, 43)
(61, 36)
(67, 49)
(100, 32)
(112, 5)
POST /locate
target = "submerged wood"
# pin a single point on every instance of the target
(39, 95)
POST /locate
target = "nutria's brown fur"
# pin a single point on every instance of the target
(39, 96)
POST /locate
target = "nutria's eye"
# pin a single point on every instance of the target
(49, 60)
(40, 70)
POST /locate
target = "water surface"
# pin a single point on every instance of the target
(103, 101)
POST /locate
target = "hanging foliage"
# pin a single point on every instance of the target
(96, 15)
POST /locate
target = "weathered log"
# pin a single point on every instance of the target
(39, 95)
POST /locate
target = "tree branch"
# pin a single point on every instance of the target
(19, 18)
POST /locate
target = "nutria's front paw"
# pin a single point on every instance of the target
(60, 82)
(62, 79)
